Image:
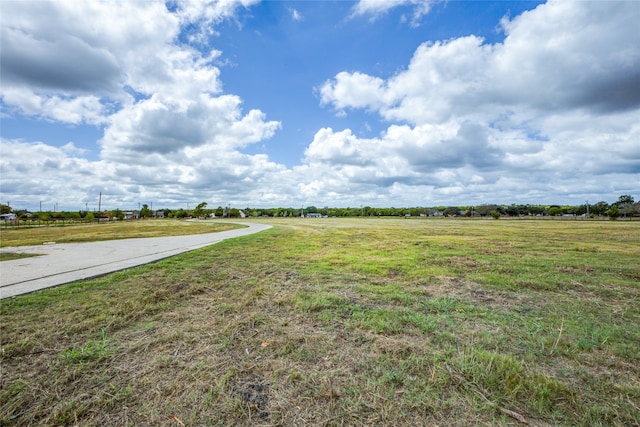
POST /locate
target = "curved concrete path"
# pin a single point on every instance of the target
(69, 262)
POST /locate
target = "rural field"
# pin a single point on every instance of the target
(354, 322)
(75, 233)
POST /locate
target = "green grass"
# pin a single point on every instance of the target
(91, 350)
(9, 256)
(343, 322)
(108, 231)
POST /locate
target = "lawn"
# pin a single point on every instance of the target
(107, 231)
(333, 322)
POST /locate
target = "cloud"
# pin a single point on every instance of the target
(58, 64)
(550, 110)
(155, 127)
(70, 46)
(67, 64)
(337, 148)
(376, 8)
(562, 55)
(570, 55)
(66, 50)
(169, 132)
(66, 109)
(556, 100)
(354, 90)
(416, 156)
(54, 172)
(295, 15)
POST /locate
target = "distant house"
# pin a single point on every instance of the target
(313, 215)
(8, 217)
(158, 214)
(132, 215)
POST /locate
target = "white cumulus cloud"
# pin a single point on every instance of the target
(557, 100)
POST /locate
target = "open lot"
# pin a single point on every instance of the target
(343, 322)
(76, 233)
(57, 264)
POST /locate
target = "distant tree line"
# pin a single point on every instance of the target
(625, 206)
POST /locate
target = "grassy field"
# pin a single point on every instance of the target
(331, 322)
(107, 231)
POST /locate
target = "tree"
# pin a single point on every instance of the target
(599, 208)
(512, 210)
(495, 214)
(613, 212)
(625, 204)
(118, 214)
(555, 211)
(199, 210)
(145, 212)
(485, 210)
(5, 209)
(451, 210)
(624, 199)
(536, 210)
(180, 213)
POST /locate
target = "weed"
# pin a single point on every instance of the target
(92, 350)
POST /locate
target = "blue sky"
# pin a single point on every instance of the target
(282, 51)
(289, 103)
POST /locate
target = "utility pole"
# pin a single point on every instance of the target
(587, 209)
(100, 203)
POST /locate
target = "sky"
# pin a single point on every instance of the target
(326, 103)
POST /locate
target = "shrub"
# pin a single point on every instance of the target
(613, 212)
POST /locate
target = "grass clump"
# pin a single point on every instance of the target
(91, 350)
(343, 322)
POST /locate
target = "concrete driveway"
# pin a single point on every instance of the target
(69, 262)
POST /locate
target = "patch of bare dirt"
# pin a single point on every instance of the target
(474, 292)
(254, 392)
